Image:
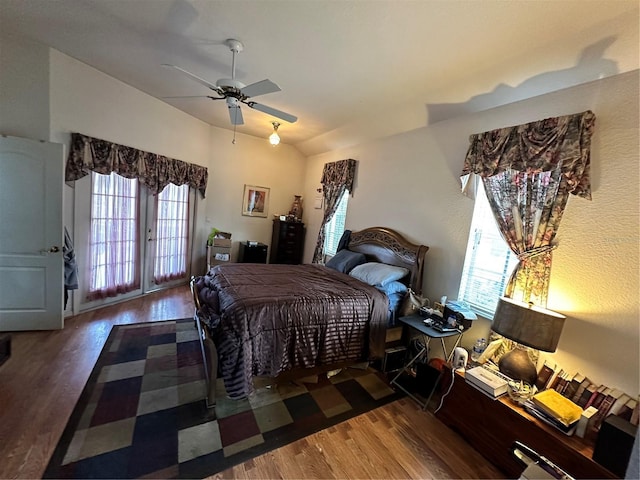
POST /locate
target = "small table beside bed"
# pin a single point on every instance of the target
(291, 321)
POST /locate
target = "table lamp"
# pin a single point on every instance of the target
(526, 325)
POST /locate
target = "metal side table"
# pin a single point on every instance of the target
(416, 322)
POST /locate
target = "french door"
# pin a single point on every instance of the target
(137, 242)
(168, 237)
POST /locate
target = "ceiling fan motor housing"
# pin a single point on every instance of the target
(230, 83)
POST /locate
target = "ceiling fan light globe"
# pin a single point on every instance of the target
(274, 139)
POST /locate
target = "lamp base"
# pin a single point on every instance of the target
(517, 365)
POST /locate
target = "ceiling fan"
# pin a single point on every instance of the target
(235, 92)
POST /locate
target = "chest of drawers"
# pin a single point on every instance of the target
(287, 242)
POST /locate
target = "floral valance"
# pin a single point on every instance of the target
(340, 173)
(545, 145)
(152, 170)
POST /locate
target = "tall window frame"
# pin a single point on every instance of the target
(335, 227)
(488, 260)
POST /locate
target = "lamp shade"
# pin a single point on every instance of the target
(528, 325)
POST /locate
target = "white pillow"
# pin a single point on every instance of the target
(379, 274)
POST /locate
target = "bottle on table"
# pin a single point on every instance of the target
(478, 349)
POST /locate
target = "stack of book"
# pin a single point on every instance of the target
(555, 410)
(584, 393)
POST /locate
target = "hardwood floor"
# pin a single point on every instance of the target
(41, 382)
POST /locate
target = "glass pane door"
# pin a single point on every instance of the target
(169, 237)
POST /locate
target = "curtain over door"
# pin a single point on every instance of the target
(137, 242)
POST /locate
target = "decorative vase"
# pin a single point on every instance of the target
(296, 207)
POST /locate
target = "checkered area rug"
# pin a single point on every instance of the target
(143, 414)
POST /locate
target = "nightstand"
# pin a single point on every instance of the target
(252, 253)
(416, 323)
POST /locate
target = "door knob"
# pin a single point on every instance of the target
(54, 249)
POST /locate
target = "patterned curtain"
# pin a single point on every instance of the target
(155, 171)
(337, 177)
(528, 172)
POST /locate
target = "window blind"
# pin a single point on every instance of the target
(488, 261)
(335, 228)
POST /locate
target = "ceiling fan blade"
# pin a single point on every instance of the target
(196, 96)
(260, 88)
(287, 117)
(235, 114)
(201, 81)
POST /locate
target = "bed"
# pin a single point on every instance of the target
(289, 321)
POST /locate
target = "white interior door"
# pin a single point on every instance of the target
(31, 237)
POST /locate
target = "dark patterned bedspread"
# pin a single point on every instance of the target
(268, 319)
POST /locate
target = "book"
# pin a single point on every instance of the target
(557, 406)
(561, 384)
(602, 394)
(635, 415)
(540, 414)
(618, 404)
(594, 396)
(580, 390)
(626, 411)
(586, 395)
(555, 378)
(611, 395)
(585, 423)
(572, 386)
(545, 374)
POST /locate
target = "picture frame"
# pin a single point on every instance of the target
(255, 201)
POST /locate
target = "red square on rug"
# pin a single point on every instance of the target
(237, 427)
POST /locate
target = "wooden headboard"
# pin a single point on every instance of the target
(384, 245)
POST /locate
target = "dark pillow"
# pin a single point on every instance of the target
(344, 260)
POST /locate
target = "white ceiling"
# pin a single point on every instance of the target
(347, 69)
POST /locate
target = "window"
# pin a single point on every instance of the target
(113, 242)
(335, 228)
(488, 261)
(172, 233)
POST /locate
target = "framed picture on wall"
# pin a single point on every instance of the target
(255, 202)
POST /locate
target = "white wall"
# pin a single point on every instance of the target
(409, 182)
(24, 89)
(251, 161)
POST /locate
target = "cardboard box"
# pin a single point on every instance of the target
(222, 242)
